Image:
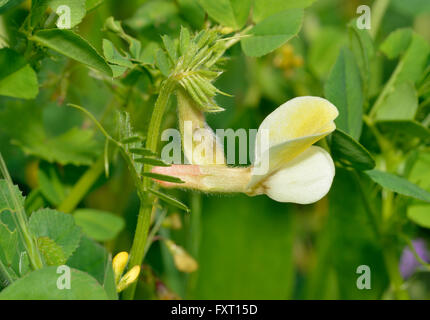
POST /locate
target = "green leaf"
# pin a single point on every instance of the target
(397, 43)
(405, 128)
(230, 13)
(92, 4)
(266, 8)
(152, 162)
(77, 9)
(8, 244)
(113, 56)
(412, 7)
(58, 226)
(400, 104)
(413, 63)
(152, 13)
(93, 259)
(50, 184)
(71, 45)
(162, 177)
(350, 152)
(99, 225)
(344, 89)
(174, 202)
(162, 62)
(398, 184)
(171, 48)
(272, 32)
(7, 203)
(7, 4)
(193, 12)
(42, 285)
(52, 253)
(420, 214)
(17, 78)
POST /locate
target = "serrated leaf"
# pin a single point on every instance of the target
(344, 89)
(7, 203)
(99, 225)
(17, 78)
(162, 177)
(420, 214)
(398, 184)
(42, 285)
(73, 46)
(171, 48)
(272, 32)
(230, 13)
(8, 244)
(113, 56)
(58, 226)
(170, 200)
(350, 152)
(52, 253)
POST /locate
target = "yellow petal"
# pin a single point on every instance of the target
(292, 128)
(305, 179)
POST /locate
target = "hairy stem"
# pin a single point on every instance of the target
(144, 219)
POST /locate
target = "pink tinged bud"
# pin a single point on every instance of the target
(215, 178)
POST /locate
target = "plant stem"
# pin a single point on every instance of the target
(144, 219)
(81, 188)
(396, 280)
(378, 11)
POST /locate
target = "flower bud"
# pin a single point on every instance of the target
(183, 261)
(118, 264)
(129, 278)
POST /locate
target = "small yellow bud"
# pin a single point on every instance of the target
(118, 264)
(183, 261)
(173, 222)
(130, 277)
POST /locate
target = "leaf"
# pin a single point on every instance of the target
(50, 184)
(171, 48)
(162, 177)
(193, 12)
(174, 202)
(99, 225)
(7, 4)
(266, 8)
(412, 7)
(162, 62)
(113, 56)
(93, 258)
(8, 244)
(344, 89)
(42, 285)
(77, 9)
(398, 184)
(7, 203)
(397, 42)
(71, 45)
(52, 253)
(405, 128)
(230, 13)
(152, 13)
(420, 214)
(152, 162)
(350, 152)
(92, 4)
(58, 226)
(400, 104)
(272, 32)
(17, 78)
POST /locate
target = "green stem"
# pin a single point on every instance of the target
(81, 188)
(144, 219)
(391, 262)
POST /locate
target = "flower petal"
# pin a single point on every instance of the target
(304, 180)
(291, 129)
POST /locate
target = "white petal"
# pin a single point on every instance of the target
(306, 179)
(291, 129)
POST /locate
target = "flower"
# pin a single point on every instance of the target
(408, 262)
(129, 278)
(287, 167)
(183, 261)
(119, 262)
